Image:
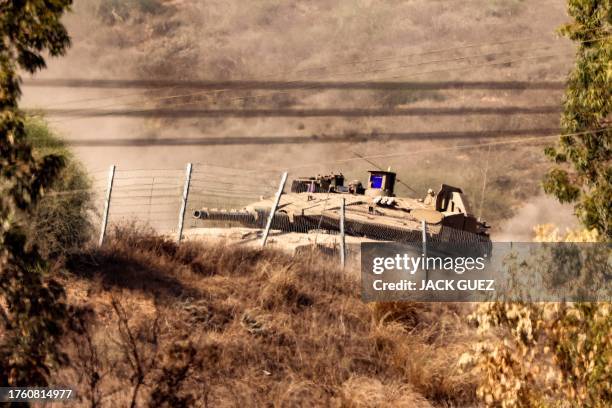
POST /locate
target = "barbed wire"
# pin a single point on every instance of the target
(534, 139)
(149, 200)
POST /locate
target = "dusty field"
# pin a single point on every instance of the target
(325, 80)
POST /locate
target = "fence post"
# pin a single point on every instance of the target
(151, 199)
(181, 220)
(107, 202)
(342, 235)
(281, 187)
(424, 230)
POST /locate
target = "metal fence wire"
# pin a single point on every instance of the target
(225, 189)
(167, 200)
(151, 197)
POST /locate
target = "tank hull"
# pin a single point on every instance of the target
(358, 222)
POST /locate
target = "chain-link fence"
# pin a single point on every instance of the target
(147, 196)
(216, 201)
(223, 189)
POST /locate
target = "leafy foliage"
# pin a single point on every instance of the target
(32, 308)
(60, 222)
(543, 354)
(548, 354)
(587, 121)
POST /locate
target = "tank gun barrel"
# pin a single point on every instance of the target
(243, 217)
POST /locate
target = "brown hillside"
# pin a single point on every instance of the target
(228, 326)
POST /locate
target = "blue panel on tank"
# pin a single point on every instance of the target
(376, 181)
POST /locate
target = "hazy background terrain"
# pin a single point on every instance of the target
(300, 86)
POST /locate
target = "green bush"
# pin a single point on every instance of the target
(61, 219)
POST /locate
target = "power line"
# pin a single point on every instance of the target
(160, 83)
(101, 98)
(410, 75)
(307, 113)
(296, 85)
(471, 67)
(416, 152)
(467, 46)
(382, 156)
(322, 138)
(126, 82)
(465, 57)
(458, 147)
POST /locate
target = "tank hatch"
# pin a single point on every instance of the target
(381, 183)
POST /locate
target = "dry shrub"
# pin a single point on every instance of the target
(61, 220)
(370, 392)
(426, 356)
(283, 289)
(265, 328)
(210, 316)
(417, 314)
(303, 394)
(129, 359)
(544, 353)
(176, 367)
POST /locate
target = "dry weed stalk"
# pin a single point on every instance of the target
(140, 360)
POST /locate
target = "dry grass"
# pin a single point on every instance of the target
(227, 326)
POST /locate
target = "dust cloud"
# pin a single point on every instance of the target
(281, 48)
(539, 211)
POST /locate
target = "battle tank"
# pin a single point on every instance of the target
(373, 211)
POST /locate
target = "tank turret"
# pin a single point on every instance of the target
(374, 211)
